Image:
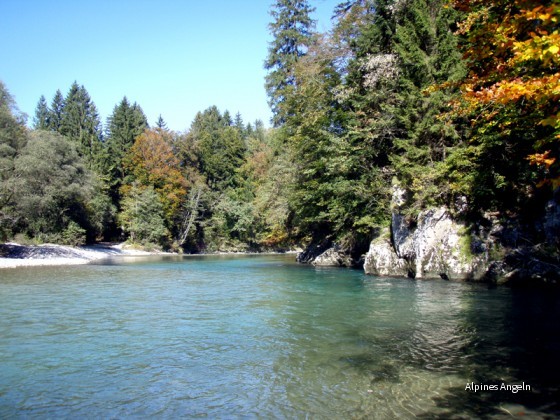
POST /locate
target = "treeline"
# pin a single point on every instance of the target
(68, 181)
(455, 102)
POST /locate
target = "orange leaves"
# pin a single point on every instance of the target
(513, 51)
(152, 161)
(514, 47)
(538, 89)
(546, 160)
(542, 159)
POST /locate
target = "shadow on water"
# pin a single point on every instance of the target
(517, 341)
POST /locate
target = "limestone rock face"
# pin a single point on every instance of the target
(434, 245)
(333, 257)
(382, 260)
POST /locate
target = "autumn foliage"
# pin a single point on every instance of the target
(513, 52)
(152, 162)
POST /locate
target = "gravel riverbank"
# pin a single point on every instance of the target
(15, 255)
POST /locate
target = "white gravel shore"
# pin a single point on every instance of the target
(14, 255)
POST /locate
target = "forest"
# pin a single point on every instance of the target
(457, 101)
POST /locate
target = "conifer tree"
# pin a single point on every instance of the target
(80, 123)
(292, 30)
(41, 121)
(160, 123)
(220, 147)
(227, 118)
(56, 111)
(238, 123)
(124, 126)
(428, 56)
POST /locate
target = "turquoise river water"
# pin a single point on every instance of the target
(264, 337)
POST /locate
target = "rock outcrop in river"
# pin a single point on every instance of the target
(430, 246)
(435, 244)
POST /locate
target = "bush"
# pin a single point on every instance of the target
(73, 235)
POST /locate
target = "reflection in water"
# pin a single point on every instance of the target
(264, 337)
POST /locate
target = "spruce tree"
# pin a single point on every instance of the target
(220, 148)
(227, 118)
(42, 115)
(292, 30)
(358, 158)
(238, 122)
(80, 122)
(160, 123)
(428, 56)
(126, 123)
(56, 111)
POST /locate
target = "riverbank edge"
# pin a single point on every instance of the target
(14, 255)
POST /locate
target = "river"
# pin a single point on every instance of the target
(264, 337)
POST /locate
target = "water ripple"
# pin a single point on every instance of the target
(250, 337)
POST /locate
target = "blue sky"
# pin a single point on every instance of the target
(172, 57)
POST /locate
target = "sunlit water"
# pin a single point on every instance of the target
(229, 337)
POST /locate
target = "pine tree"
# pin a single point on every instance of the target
(160, 123)
(292, 31)
(238, 123)
(41, 121)
(80, 122)
(219, 146)
(56, 112)
(124, 126)
(428, 56)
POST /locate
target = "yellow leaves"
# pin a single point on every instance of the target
(542, 159)
(553, 120)
(546, 15)
(544, 48)
(514, 79)
(538, 89)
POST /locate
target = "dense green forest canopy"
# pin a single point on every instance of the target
(456, 102)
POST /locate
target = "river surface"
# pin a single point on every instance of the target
(264, 337)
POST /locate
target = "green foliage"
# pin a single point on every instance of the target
(384, 96)
(41, 121)
(292, 31)
(428, 55)
(125, 124)
(56, 112)
(102, 213)
(219, 147)
(142, 217)
(80, 123)
(73, 235)
(52, 185)
(160, 123)
(13, 139)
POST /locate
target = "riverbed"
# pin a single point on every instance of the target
(264, 337)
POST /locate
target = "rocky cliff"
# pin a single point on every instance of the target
(436, 245)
